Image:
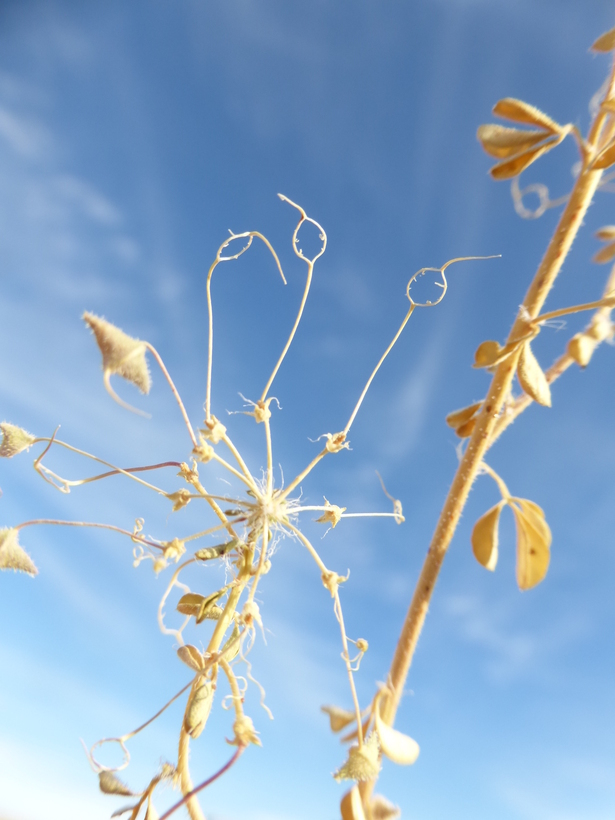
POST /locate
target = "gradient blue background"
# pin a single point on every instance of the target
(132, 136)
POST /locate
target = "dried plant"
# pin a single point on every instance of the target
(247, 523)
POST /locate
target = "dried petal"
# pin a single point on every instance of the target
(485, 537)
(338, 718)
(581, 348)
(503, 143)
(363, 762)
(606, 254)
(332, 514)
(605, 158)
(383, 809)
(513, 167)
(199, 709)
(351, 806)
(606, 42)
(519, 111)
(121, 353)
(531, 378)
(465, 430)
(14, 440)
(399, 748)
(12, 554)
(110, 784)
(533, 543)
(191, 656)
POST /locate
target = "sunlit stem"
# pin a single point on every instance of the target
(174, 390)
(237, 697)
(554, 314)
(250, 235)
(309, 547)
(346, 657)
(118, 400)
(240, 461)
(269, 457)
(204, 532)
(376, 369)
(248, 481)
(501, 485)
(261, 562)
(303, 474)
(57, 522)
(177, 633)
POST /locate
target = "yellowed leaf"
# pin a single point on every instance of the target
(533, 544)
(606, 42)
(460, 417)
(519, 111)
(485, 537)
(513, 167)
(465, 430)
(191, 656)
(605, 158)
(490, 353)
(351, 806)
(503, 143)
(607, 233)
(199, 708)
(338, 718)
(531, 377)
(398, 747)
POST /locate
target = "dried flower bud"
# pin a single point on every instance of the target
(332, 514)
(262, 411)
(14, 440)
(180, 499)
(363, 763)
(121, 353)
(189, 474)
(531, 377)
(111, 784)
(331, 580)
(12, 555)
(336, 442)
(173, 550)
(338, 718)
(199, 708)
(203, 452)
(581, 348)
(214, 430)
(251, 613)
(245, 733)
(351, 806)
(361, 644)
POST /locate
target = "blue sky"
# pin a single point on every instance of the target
(132, 137)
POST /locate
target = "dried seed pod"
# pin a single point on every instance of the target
(199, 708)
(200, 606)
(191, 656)
(338, 718)
(519, 111)
(485, 537)
(533, 543)
(234, 642)
(504, 143)
(490, 353)
(363, 762)
(351, 806)
(214, 430)
(581, 348)
(383, 809)
(606, 234)
(398, 747)
(531, 377)
(111, 784)
(122, 355)
(332, 514)
(208, 553)
(12, 554)
(14, 440)
(605, 43)
(513, 167)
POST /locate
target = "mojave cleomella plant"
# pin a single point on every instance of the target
(248, 524)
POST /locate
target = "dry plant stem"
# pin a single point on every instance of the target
(569, 224)
(303, 474)
(133, 536)
(191, 803)
(346, 657)
(180, 403)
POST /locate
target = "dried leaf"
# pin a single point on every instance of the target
(351, 806)
(383, 809)
(581, 348)
(533, 543)
(14, 440)
(465, 430)
(122, 355)
(338, 718)
(503, 143)
(519, 111)
(490, 353)
(199, 708)
(191, 656)
(399, 748)
(513, 167)
(485, 537)
(12, 554)
(605, 43)
(606, 234)
(605, 158)
(200, 606)
(459, 417)
(207, 553)
(363, 762)
(111, 784)
(235, 634)
(531, 377)
(606, 254)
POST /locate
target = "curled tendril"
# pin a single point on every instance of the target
(305, 218)
(444, 283)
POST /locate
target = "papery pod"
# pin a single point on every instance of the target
(200, 606)
(485, 537)
(234, 642)
(533, 542)
(606, 42)
(581, 348)
(502, 142)
(191, 656)
(466, 430)
(519, 111)
(363, 762)
(208, 553)
(111, 784)
(605, 158)
(12, 554)
(338, 718)
(199, 708)
(383, 809)
(122, 355)
(352, 806)
(14, 440)
(489, 353)
(398, 747)
(460, 417)
(531, 377)
(513, 167)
